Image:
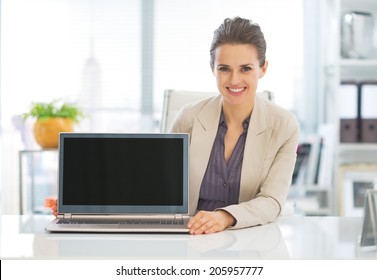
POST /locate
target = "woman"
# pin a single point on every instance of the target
(243, 148)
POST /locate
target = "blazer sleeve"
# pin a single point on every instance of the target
(182, 123)
(269, 201)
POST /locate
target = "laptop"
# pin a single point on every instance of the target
(122, 182)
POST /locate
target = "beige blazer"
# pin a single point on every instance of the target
(268, 162)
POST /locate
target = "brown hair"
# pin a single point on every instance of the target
(239, 31)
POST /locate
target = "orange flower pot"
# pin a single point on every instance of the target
(46, 131)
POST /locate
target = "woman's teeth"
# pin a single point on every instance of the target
(236, 90)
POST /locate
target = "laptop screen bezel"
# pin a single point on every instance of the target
(124, 209)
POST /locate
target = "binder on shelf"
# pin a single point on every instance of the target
(348, 94)
(369, 130)
(349, 108)
(368, 100)
(349, 130)
(368, 112)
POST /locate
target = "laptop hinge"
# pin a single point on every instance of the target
(178, 216)
(67, 216)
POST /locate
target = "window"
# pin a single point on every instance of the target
(83, 51)
(91, 52)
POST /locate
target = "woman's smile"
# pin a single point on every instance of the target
(236, 91)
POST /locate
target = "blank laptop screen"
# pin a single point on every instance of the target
(123, 173)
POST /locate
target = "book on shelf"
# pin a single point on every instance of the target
(301, 165)
(314, 161)
(326, 164)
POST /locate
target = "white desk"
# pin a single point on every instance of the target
(23, 237)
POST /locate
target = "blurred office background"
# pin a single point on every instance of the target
(115, 58)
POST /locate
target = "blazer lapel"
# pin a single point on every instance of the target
(258, 136)
(204, 133)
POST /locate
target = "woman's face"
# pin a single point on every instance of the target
(237, 71)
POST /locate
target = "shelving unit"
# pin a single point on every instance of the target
(358, 62)
(38, 179)
(359, 156)
(311, 200)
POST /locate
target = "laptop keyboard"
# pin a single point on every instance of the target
(130, 221)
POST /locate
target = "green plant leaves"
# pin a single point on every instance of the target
(54, 109)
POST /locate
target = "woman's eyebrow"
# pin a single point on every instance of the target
(223, 65)
(243, 65)
(248, 64)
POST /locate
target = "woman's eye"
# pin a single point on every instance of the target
(246, 69)
(223, 69)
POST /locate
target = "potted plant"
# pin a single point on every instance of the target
(51, 118)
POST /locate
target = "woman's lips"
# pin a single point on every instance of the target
(236, 91)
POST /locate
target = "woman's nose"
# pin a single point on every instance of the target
(234, 78)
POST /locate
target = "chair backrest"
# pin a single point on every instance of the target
(174, 100)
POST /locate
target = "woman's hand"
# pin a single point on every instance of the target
(210, 222)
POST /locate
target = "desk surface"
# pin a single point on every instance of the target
(296, 237)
